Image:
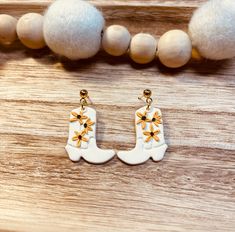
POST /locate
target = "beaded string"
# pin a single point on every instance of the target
(116, 40)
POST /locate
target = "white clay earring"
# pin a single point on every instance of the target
(150, 142)
(82, 135)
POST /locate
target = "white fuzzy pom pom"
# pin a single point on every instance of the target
(212, 29)
(72, 28)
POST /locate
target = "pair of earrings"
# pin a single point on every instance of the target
(150, 142)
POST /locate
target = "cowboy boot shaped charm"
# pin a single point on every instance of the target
(150, 141)
(82, 135)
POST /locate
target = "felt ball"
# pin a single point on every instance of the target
(212, 29)
(72, 28)
(7, 29)
(116, 40)
(143, 48)
(174, 48)
(30, 30)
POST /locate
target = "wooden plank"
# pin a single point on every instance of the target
(177, 3)
(192, 189)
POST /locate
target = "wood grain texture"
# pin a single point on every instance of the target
(192, 189)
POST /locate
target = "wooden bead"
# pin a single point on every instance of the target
(7, 29)
(30, 30)
(116, 40)
(174, 48)
(143, 48)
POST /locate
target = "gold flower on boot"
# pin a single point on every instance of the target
(79, 136)
(152, 134)
(87, 125)
(143, 119)
(156, 119)
(78, 117)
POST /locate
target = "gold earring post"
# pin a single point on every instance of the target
(147, 93)
(83, 100)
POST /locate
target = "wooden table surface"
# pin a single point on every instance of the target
(192, 189)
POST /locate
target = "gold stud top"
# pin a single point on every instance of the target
(147, 93)
(83, 93)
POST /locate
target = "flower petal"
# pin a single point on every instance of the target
(143, 124)
(80, 121)
(74, 114)
(85, 139)
(156, 131)
(91, 123)
(146, 133)
(79, 143)
(83, 133)
(156, 138)
(139, 121)
(139, 114)
(75, 138)
(157, 123)
(151, 127)
(84, 117)
(148, 139)
(157, 116)
(73, 119)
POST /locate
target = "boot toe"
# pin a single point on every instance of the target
(133, 157)
(98, 156)
(158, 153)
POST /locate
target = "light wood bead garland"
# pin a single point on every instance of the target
(174, 48)
(7, 29)
(143, 48)
(116, 40)
(30, 30)
(79, 36)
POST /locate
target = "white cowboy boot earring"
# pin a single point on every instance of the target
(82, 135)
(150, 142)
